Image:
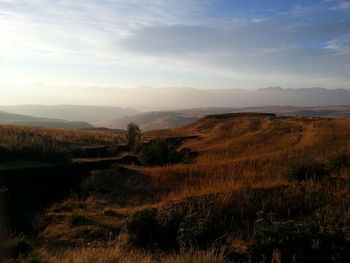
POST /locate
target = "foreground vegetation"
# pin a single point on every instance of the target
(260, 188)
(19, 142)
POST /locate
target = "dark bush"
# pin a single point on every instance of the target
(118, 168)
(158, 152)
(33, 258)
(338, 162)
(59, 208)
(77, 220)
(198, 259)
(111, 212)
(305, 242)
(172, 230)
(199, 233)
(142, 227)
(169, 226)
(312, 169)
(307, 169)
(133, 136)
(53, 153)
(17, 246)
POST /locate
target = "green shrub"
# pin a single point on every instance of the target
(158, 153)
(312, 169)
(169, 226)
(142, 227)
(199, 259)
(339, 162)
(133, 136)
(305, 242)
(18, 246)
(198, 232)
(307, 169)
(171, 230)
(33, 258)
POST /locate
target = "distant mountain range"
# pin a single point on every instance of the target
(156, 99)
(24, 120)
(160, 99)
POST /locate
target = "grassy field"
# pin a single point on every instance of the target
(20, 142)
(259, 188)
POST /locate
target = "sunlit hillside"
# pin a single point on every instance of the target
(33, 143)
(247, 186)
(243, 151)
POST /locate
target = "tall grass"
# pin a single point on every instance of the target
(250, 153)
(240, 170)
(47, 144)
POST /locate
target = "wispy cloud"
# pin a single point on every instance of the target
(306, 44)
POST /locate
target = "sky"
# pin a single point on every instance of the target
(204, 44)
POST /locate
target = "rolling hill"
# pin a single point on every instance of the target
(71, 112)
(242, 184)
(175, 119)
(249, 168)
(24, 120)
(152, 120)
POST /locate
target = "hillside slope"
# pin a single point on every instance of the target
(256, 182)
(175, 119)
(153, 120)
(24, 120)
(71, 112)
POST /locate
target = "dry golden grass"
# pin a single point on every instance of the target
(248, 152)
(96, 255)
(32, 143)
(238, 170)
(237, 173)
(21, 134)
(118, 254)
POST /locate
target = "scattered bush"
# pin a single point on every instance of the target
(199, 233)
(172, 230)
(110, 212)
(309, 169)
(18, 246)
(27, 151)
(59, 208)
(142, 227)
(118, 168)
(312, 169)
(133, 136)
(339, 161)
(77, 220)
(300, 241)
(170, 225)
(197, 259)
(33, 258)
(158, 152)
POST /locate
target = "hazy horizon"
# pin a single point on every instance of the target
(174, 98)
